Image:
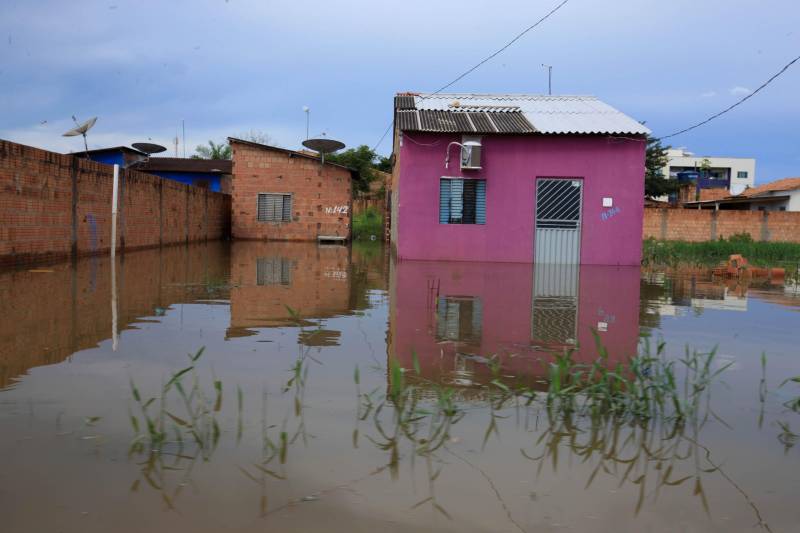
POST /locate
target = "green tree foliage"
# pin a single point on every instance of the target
(223, 150)
(365, 160)
(655, 183)
(213, 151)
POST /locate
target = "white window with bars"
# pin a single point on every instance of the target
(274, 207)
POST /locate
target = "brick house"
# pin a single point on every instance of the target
(280, 194)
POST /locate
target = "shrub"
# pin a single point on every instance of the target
(367, 224)
(708, 253)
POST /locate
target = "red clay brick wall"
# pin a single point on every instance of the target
(36, 208)
(57, 313)
(696, 225)
(713, 194)
(315, 189)
(318, 284)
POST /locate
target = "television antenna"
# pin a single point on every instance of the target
(323, 146)
(81, 129)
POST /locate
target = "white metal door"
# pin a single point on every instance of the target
(558, 221)
(554, 316)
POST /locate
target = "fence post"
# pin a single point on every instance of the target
(765, 236)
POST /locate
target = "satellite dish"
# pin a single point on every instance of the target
(81, 129)
(323, 146)
(149, 148)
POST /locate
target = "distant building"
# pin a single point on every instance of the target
(734, 174)
(285, 195)
(516, 178)
(780, 195)
(211, 174)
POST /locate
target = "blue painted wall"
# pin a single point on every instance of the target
(190, 178)
(109, 158)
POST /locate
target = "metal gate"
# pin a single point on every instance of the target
(554, 314)
(558, 220)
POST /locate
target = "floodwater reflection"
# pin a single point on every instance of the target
(454, 316)
(339, 390)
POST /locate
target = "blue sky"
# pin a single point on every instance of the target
(227, 67)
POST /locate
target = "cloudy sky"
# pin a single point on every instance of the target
(227, 67)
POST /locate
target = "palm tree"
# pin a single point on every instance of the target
(213, 151)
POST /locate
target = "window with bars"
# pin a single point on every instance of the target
(273, 271)
(274, 207)
(459, 318)
(462, 201)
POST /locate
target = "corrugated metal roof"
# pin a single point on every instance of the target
(520, 113)
(179, 164)
(463, 121)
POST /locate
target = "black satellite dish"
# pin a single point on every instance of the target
(149, 148)
(323, 146)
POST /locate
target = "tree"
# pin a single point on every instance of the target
(224, 151)
(365, 160)
(655, 183)
(213, 151)
(258, 136)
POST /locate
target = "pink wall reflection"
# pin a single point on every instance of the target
(454, 315)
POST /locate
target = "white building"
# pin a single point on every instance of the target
(738, 172)
(780, 195)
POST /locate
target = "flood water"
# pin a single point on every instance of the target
(294, 438)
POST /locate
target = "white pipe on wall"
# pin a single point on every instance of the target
(114, 194)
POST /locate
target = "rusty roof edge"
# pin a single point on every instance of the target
(290, 153)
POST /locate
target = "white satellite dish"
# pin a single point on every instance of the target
(81, 129)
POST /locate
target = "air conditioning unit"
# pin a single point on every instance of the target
(471, 153)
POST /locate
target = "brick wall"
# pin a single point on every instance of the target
(54, 314)
(54, 206)
(317, 192)
(316, 283)
(695, 225)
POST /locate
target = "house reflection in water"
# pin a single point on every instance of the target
(455, 316)
(274, 284)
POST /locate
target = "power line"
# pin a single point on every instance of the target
(498, 52)
(383, 136)
(740, 102)
(482, 62)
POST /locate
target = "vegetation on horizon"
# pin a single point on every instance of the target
(363, 159)
(710, 253)
(655, 183)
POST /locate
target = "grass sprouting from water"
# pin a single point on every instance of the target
(185, 413)
(710, 253)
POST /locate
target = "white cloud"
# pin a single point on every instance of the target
(709, 94)
(740, 91)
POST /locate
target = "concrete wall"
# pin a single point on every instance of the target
(609, 167)
(321, 195)
(695, 225)
(732, 165)
(54, 206)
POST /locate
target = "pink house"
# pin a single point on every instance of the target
(517, 178)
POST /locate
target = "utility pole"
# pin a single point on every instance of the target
(549, 78)
(308, 112)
